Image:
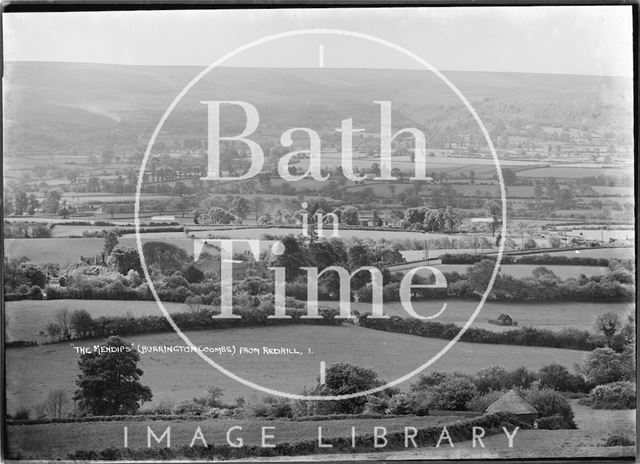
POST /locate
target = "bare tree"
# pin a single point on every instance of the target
(62, 318)
(194, 303)
(57, 404)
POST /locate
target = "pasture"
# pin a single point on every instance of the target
(609, 253)
(552, 316)
(573, 172)
(594, 426)
(66, 251)
(53, 441)
(33, 372)
(24, 319)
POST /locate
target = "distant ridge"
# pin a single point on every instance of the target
(57, 106)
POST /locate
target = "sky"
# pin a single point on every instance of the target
(594, 40)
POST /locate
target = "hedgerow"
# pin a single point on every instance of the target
(428, 436)
(525, 336)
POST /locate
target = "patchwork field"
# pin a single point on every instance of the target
(571, 172)
(24, 319)
(68, 251)
(552, 316)
(594, 426)
(608, 253)
(57, 440)
(34, 371)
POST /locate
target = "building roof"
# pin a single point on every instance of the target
(502, 317)
(512, 402)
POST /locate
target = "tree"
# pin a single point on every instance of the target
(81, 322)
(479, 275)
(53, 331)
(604, 365)
(530, 244)
(491, 378)
(454, 393)
(360, 256)
(240, 207)
(345, 378)
(109, 380)
(607, 324)
(52, 201)
(451, 219)
(42, 230)
(538, 192)
(32, 204)
(559, 378)
(56, 405)
(166, 257)
(110, 241)
(194, 304)
(549, 403)
(20, 202)
(125, 259)
(217, 215)
(212, 398)
(349, 216)
(193, 274)
(472, 176)
(555, 241)
(62, 319)
(418, 185)
(293, 258)
(495, 211)
(182, 204)
(545, 275)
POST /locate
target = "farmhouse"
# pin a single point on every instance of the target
(514, 403)
(503, 319)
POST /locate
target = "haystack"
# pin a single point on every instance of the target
(514, 403)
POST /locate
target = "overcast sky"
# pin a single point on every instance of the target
(566, 40)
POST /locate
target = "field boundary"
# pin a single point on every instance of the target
(427, 436)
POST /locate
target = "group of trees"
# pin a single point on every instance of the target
(433, 220)
(17, 201)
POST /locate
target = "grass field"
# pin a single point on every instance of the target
(25, 318)
(571, 172)
(552, 316)
(594, 426)
(609, 253)
(68, 251)
(57, 440)
(35, 371)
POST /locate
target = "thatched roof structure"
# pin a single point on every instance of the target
(512, 402)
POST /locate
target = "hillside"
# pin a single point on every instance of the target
(89, 107)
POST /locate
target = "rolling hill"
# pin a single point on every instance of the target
(62, 106)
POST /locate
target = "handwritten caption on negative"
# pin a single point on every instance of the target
(230, 350)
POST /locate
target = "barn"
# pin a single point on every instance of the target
(514, 403)
(503, 319)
